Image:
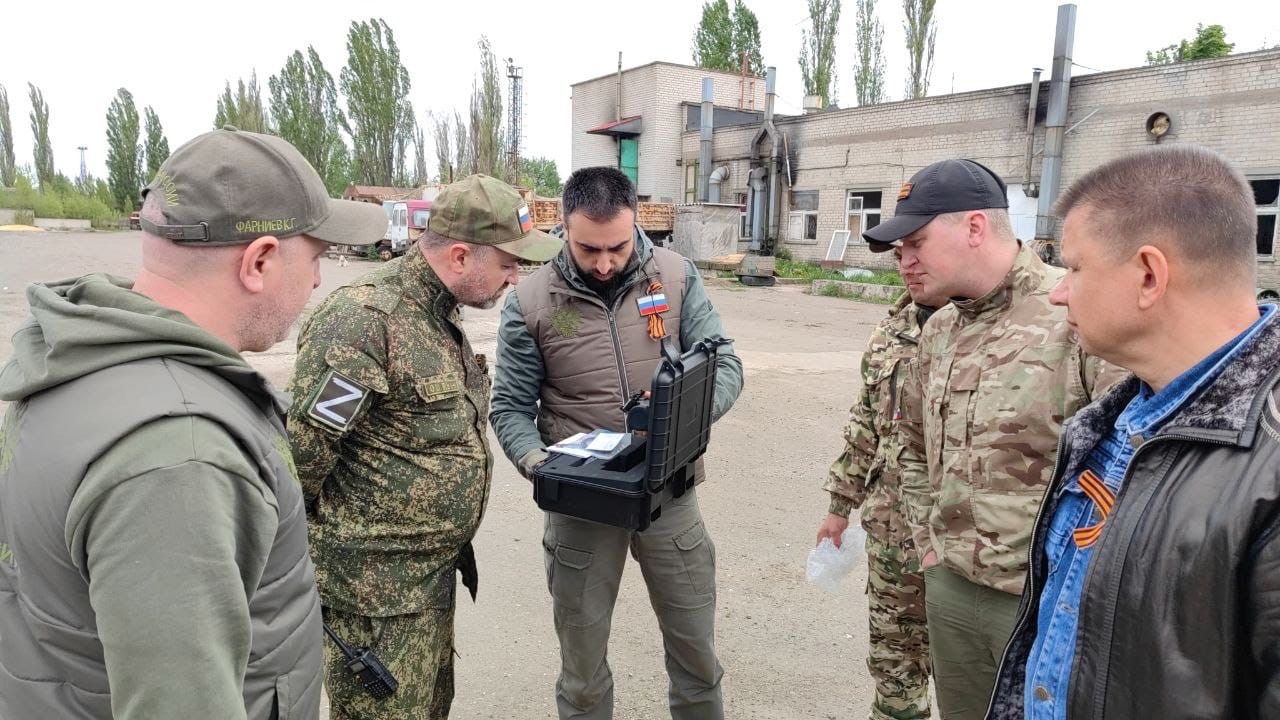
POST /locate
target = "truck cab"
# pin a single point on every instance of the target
(419, 214)
(396, 239)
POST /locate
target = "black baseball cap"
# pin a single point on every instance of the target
(231, 187)
(943, 187)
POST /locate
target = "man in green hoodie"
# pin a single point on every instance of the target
(153, 549)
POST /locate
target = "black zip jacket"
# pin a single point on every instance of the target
(1180, 609)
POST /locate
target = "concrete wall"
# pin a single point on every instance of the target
(655, 92)
(705, 231)
(62, 224)
(1230, 104)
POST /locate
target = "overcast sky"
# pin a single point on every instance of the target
(177, 57)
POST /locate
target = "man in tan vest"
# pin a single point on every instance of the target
(572, 347)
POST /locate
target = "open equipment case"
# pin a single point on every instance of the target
(629, 489)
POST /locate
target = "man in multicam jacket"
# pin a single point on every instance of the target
(867, 475)
(998, 372)
(389, 436)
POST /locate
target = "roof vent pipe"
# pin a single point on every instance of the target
(1055, 122)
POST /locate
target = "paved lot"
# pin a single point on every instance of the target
(789, 651)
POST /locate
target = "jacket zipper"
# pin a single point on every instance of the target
(610, 312)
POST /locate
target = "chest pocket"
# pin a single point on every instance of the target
(440, 413)
(954, 406)
(883, 385)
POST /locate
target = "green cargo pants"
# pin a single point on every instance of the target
(969, 625)
(584, 563)
(417, 649)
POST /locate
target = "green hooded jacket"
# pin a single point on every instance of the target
(153, 556)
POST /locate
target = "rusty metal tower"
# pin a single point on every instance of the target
(516, 115)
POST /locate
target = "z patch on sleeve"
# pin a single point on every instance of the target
(338, 402)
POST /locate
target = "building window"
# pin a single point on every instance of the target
(862, 212)
(1266, 194)
(802, 225)
(691, 182)
(744, 220)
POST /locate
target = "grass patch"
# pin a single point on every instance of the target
(883, 277)
(807, 270)
(838, 291)
(813, 271)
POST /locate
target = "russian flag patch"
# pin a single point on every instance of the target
(653, 304)
(526, 222)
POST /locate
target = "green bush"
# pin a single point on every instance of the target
(24, 217)
(48, 206)
(63, 200)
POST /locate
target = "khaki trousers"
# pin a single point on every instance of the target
(584, 563)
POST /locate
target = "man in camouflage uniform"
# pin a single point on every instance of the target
(389, 436)
(867, 475)
(998, 372)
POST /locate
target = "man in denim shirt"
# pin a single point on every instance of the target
(1154, 587)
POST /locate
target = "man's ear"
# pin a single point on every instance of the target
(977, 224)
(458, 254)
(1154, 267)
(261, 257)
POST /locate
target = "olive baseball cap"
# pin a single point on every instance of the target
(943, 187)
(483, 210)
(230, 187)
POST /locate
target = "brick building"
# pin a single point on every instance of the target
(848, 164)
(659, 101)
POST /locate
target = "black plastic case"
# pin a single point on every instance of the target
(630, 489)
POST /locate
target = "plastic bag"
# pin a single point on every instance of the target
(828, 565)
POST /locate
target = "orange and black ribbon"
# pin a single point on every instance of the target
(657, 328)
(1101, 495)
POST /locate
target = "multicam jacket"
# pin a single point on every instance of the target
(388, 429)
(867, 474)
(983, 408)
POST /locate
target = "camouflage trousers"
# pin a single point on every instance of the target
(899, 650)
(417, 649)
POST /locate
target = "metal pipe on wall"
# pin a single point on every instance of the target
(617, 101)
(704, 146)
(756, 202)
(714, 181)
(1032, 105)
(1055, 122)
(775, 191)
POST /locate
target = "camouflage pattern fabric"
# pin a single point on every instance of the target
(416, 649)
(867, 472)
(867, 475)
(983, 408)
(899, 651)
(388, 428)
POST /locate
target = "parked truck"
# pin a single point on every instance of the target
(396, 239)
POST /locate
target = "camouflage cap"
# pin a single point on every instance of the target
(482, 210)
(229, 187)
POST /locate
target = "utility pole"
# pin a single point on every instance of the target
(84, 172)
(516, 117)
